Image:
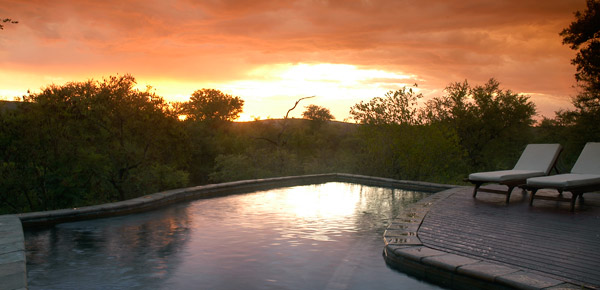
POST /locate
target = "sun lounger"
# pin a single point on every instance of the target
(536, 160)
(584, 177)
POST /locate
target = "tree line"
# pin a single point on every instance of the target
(92, 142)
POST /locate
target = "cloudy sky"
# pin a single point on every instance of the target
(272, 52)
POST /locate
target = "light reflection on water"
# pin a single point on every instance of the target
(325, 236)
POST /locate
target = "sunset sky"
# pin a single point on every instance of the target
(272, 52)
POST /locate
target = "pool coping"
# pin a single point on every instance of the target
(13, 272)
(155, 200)
(404, 251)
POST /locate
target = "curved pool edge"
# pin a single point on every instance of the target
(12, 242)
(405, 252)
(155, 200)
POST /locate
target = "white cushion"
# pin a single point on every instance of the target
(564, 180)
(589, 160)
(538, 157)
(504, 175)
(536, 160)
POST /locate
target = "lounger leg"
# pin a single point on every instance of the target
(574, 197)
(477, 185)
(510, 189)
(533, 191)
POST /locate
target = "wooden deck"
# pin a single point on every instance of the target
(545, 238)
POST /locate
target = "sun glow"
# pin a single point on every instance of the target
(328, 79)
(269, 91)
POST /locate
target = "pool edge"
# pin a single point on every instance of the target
(13, 268)
(155, 200)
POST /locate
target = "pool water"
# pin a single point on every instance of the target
(323, 236)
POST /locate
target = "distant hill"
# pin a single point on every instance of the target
(8, 105)
(294, 122)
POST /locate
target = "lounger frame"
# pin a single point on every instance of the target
(588, 162)
(510, 184)
(513, 183)
(576, 192)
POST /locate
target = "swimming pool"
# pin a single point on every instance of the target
(322, 236)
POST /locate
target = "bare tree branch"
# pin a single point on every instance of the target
(279, 142)
(295, 105)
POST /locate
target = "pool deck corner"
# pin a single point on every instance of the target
(13, 273)
(459, 242)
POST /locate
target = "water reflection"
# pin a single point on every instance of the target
(123, 252)
(325, 236)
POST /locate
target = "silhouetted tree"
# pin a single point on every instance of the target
(317, 113)
(88, 142)
(583, 35)
(396, 107)
(486, 118)
(209, 114)
(397, 142)
(212, 105)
